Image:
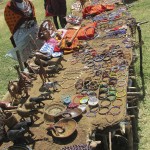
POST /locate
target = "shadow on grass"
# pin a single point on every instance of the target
(129, 1)
(135, 101)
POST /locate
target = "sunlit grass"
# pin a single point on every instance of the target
(141, 12)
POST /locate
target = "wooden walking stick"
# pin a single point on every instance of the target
(69, 43)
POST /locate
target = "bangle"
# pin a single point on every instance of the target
(112, 81)
(115, 69)
(103, 110)
(114, 113)
(91, 93)
(122, 75)
(122, 67)
(102, 96)
(120, 89)
(107, 58)
(113, 74)
(105, 103)
(119, 95)
(103, 90)
(109, 118)
(117, 102)
(105, 65)
(79, 98)
(98, 72)
(121, 83)
(91, 114)
(111, 97)
(105, 79)
(103, 85)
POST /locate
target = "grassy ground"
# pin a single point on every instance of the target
(140, 10)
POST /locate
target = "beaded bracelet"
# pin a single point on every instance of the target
(116, 112)
(113, 81)
(103, 111)
(121, 83)
(121, 73)
(120, 89)
(117, 101)
(91, 114)
(121, 95)
(102, 96)
(122, 67)
(105, 103)
(109, 118)
(115, 69)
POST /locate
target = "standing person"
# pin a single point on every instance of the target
(56, 8)
(21, 21)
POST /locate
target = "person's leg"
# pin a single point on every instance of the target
(62, 21)
(63, 12)
(55, 22)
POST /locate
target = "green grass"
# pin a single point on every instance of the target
(140, 10)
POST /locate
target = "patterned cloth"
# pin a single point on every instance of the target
(15, 17)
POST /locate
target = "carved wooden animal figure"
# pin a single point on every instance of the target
(46, 95)
(23, 113)
(14, 89)
(42, 72)
(18, 131)
(23, 87)
(27, 79)
(53, 85)
(30, 105)
(37, 100)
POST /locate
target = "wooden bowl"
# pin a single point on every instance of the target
(72, 113)
(69, 128)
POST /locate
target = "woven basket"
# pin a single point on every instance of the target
(53, 112)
